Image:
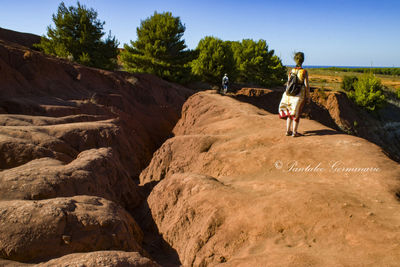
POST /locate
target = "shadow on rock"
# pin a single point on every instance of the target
(320, 132)
(153, 242)
(269, 101)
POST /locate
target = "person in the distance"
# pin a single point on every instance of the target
(225, 82)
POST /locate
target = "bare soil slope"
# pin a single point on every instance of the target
(21, 38)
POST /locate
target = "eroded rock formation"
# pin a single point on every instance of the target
(235, 191)
(73, 141)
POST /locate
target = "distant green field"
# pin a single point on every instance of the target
(384, 71)
(331, 78)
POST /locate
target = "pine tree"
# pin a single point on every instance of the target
(215, 58)
(368, 92)
(78, 35)
(159, 49)
(256, 64)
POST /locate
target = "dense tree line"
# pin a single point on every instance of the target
(247, 62)
(161, 50)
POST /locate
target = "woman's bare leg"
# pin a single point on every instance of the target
(288, 124)
(295, 126)
(297, 120)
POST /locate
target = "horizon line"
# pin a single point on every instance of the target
(337, 66)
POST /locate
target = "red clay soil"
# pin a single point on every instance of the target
(21, 38)
(228, 189)
(73, 141)
(235, 191)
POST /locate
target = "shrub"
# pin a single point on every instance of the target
(398, 93)
(368, 92)
(78, 36)
(348, 83)
(159, 49)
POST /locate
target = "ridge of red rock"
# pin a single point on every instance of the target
(234, 190)
(21, 38)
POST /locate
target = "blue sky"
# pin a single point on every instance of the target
(335, 32)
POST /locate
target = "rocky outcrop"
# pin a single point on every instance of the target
(102, 259)
(133, 112)
(94, 172)
(38, 230)
(185, 213)
(113, 258)
(234, 190)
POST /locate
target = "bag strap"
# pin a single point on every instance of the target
(298, 69)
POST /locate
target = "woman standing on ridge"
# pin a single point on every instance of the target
(291, 104)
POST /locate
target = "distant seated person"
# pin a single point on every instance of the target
(225, 82)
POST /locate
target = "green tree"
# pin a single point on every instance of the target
(368, 92)
(159, 49)
(215, 57)
(256, 64)
(78, 35)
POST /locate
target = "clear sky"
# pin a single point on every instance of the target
(334, 32)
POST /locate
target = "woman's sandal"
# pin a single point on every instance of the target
(288, 133)
(296, 134)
